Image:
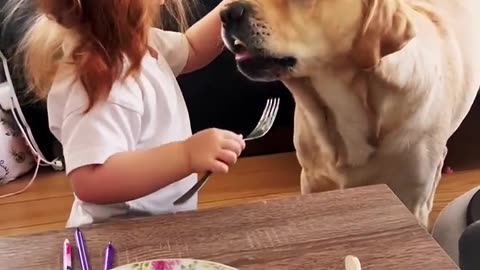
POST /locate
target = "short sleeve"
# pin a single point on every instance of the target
(173, 46)
(109, 128)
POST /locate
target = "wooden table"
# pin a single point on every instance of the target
(304, 232)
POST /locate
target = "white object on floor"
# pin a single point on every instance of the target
(9, 102)
(15, 157)
(20, 150)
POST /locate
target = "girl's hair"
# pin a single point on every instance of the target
(103, 34)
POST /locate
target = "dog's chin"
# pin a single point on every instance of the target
(265, 68)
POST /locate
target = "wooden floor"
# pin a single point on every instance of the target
(46, 205)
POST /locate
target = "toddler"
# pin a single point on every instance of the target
(115, 105)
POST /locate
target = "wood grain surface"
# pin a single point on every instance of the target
(302, 232)
(47, 203)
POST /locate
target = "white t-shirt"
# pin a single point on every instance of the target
(139, 114)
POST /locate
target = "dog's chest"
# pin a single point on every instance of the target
(333, 127)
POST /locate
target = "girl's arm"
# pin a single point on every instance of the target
(131, 175)
(205, 40)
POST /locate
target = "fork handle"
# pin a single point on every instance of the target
(185, 197)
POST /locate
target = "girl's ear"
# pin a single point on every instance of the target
(386, 30)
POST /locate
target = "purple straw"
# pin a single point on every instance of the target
(108, 257)
(81, 250)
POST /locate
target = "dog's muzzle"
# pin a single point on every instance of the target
(242, 36)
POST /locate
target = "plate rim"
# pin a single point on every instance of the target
(176, 259)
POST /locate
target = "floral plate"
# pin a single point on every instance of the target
(175, 264)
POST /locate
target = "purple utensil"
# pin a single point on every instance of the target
(81, 250)
(109, 252)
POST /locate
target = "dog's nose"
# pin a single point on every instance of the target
(233, 13)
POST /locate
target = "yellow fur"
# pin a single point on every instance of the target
(379, 85)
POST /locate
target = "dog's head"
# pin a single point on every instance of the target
(277, 39)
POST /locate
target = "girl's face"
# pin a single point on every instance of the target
(161, 2)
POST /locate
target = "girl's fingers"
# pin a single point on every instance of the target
(237, 137)
(218, 166)
(227, 157)
(232, 145)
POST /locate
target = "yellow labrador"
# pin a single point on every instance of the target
(379, 85)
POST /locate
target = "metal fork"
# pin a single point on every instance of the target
(263, 126)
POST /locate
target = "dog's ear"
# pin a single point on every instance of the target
(385, 29)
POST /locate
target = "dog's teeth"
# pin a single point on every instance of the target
(237, 42)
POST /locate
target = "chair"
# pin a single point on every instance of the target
(457, 230)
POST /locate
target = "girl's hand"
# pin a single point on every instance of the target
(213, 150)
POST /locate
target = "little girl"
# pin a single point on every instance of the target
(115, 105)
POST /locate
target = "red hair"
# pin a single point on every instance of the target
(107, 33)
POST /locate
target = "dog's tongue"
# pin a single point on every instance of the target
(239, 57)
